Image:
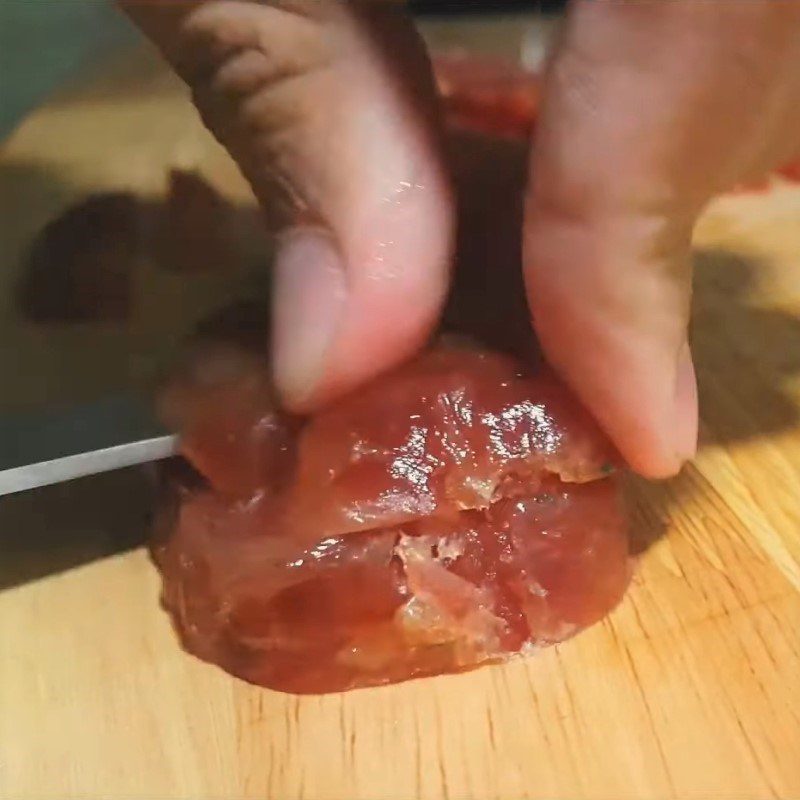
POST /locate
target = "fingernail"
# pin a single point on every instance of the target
(686, 412)
(308, 299)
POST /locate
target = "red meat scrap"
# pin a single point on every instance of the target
(487, 95)
(456, 512)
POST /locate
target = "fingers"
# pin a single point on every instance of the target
(331, 103)
(650, 109)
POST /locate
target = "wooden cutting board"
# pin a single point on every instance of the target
(691, 689)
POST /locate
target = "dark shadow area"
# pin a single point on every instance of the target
(743, 351)
(49, 530)
(81, 266)
(487, 299)
(477, 7)
(97, 289)
(647, 504)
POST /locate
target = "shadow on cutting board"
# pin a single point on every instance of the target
(55, 528)
(744, 352)
(98, 289)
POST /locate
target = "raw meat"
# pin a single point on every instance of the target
(453, 513)
(488, 96)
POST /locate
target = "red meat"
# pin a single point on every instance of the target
(453, 513)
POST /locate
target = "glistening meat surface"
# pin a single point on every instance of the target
(455, 512)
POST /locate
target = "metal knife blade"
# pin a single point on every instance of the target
(37, 449)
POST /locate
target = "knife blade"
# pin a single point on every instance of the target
(38, 448)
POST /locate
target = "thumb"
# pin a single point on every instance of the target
(650, 110)
(305, 97)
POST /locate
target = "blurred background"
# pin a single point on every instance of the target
(44, 42)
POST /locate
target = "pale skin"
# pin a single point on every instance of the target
(651, 107)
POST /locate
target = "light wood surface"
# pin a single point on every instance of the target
(691, 689)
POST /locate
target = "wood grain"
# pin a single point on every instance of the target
(691, 689)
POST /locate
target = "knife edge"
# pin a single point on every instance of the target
(56, 470)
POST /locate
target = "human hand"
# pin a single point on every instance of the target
(333, 104)
(650, 109)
